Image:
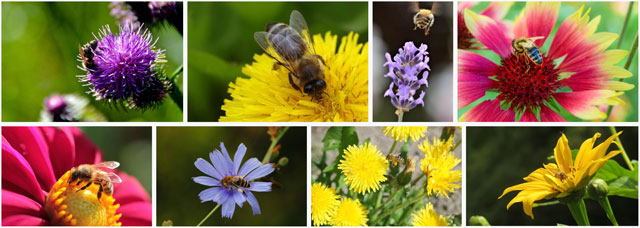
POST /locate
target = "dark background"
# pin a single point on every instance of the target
(179, 147)
(499, 157)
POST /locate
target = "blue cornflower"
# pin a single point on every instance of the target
(228, 194)
(404, 70)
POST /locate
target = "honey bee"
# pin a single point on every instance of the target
(559, 174)
(525, 46)
(237, 182)
(395, 159)
(291, 47)
(423, 18)
(87, 53)
(91, 174)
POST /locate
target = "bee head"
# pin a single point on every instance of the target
(315, 87)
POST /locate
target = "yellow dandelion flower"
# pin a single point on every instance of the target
(565, 176)
(438, 164)
(401, 134)
(266, 95)
(350, 212)
(364, 168)
(428, 217)
(324, 202)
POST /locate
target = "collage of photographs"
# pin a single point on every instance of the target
(319, 113)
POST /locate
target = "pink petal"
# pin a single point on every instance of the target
(582, 103)
(495, 35)
(546, 115)
(587, 78)
(17, 204)
(473, 76)
(17, 174)
(135, 214)
(464, 5)
(571, 32)
(61, 149)
(130, 190)
(24, 220)
(29, 142)
(497, 10)
(86, 152)
(537, 19)
(488, 111)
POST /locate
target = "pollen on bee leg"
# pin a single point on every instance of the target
(67, 205)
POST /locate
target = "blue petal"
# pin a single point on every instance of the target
(209, 194)
(207, 181)
(260, 186)
(249, 166)
(237, 158)
(255, 207)
(238, 197)
(260, 172)
(206, 168)
(221, 165)
(228, 208)
(226, 156)
(223, 196)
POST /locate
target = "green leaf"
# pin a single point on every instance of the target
(454, 220)
(621, 181)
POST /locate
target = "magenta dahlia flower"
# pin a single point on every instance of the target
(575, 73)
(495, 10)
(36, 160)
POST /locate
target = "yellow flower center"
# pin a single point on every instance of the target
(67, 205)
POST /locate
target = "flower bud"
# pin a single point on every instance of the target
(283, 162)
(478, 220)
(597, 189)
(167, 223)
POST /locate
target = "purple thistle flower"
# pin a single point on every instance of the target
(63, 108)
(124, 14)
(123, 65)
(404, 70)
(228, 195)
(162, 10)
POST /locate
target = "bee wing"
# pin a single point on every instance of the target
(263, 42)
(114, 178)
(108, 164)
(413, 7)
(535, 38)
(298, 23)
(434, 8)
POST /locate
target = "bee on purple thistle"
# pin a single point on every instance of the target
(124, 68)
(404, 69)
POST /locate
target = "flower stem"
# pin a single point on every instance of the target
(627, 64)
(209, 215)
(176, 93)
(393, 146)
(274, 143)
(400, 114)
(388, 212)
(395, 190)
(417, 179)
(624, 26)
(546, 203)
(604, 203)
(624, 152)
(579, 212)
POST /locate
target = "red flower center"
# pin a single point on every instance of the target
(464, 36)
(523, 83)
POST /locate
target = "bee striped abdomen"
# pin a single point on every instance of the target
(243, 183)
(534, 55)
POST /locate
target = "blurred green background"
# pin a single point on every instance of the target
(131, 146)
(499, 157)
(221, 41)
(612, 16)
(179, 147)
(39, 57)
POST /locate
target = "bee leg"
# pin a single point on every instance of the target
(277, 65)
(321, 60)
(291, 81)
(100, 192)
(85, 187)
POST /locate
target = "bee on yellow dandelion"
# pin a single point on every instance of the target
(364, 168)
(267, 94)
(427, 216)
(324, 203)
(401, 134)
(438, 164)
(560, 179)
(350, 212)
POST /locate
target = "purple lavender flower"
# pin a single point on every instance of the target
(162, 10)
(404, 70)
(228, 195)
(124, 13)
(123, 66)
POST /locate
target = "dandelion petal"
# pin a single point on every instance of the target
(260, 172)
(260, 186)
(255, 207)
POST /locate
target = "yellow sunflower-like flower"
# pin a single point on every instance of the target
(350, 212)
(401, 134)
(428, 217)
(267, 94)
(565, 176)
(324, 202)
(438, 164)
(364, 168)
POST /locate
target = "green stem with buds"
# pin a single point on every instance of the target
(579, 211)
(209, 215)
(274, 143)
(624, 25)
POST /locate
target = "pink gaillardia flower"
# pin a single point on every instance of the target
(35, 163)
(575, 73)
(495, 10)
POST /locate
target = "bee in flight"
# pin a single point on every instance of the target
(86, 54)
(236, 182)
(423, 18)
(91, 174)
(395, 159)
(291, 47)
(525, 46)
